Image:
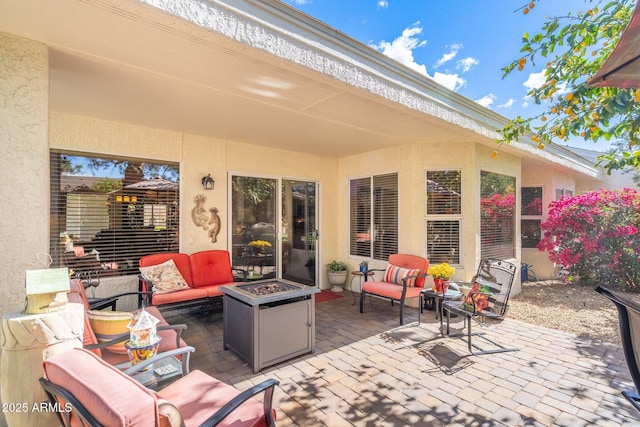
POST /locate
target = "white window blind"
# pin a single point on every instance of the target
(443, 241)
(497, 215)
(106, 213)
(443, 192)
(374, 216)
(444, 209)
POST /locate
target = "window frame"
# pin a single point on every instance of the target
(98, 221)
(530, 217)
(373, 209)
(502, 249)
(452, 217)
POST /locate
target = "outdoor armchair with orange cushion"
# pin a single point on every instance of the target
(91, 392)
(110, 346)
(402, 279)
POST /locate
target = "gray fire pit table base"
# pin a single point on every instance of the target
(265, 329)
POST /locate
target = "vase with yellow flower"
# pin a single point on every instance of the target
(441, 274)
(259, 247)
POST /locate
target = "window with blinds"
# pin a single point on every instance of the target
(373, 216)
(106, 213)
(497, 215)
(444, 213)
(531, 217)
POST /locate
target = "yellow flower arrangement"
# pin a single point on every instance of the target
(441, 271)
(259, 245)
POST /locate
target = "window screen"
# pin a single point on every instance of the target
(374, 216)
(106, 213)
(531, 211)
(444, 209)
(497, 215)
(443, 192)
(443, 241)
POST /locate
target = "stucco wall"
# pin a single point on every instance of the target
(549, 179)
(24, 170)
(199, 156)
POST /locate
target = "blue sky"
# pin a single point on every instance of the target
(461, 44)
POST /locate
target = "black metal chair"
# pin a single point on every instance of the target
(629, 315)
(488, 299)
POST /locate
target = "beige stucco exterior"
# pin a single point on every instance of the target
(24, 120)
(259, 90)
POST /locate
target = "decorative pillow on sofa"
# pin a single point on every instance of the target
(165, 277)
(395, 274)
(107, 325)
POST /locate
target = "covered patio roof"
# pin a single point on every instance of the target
(255, 72)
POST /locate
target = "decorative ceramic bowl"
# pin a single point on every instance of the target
(140, 354)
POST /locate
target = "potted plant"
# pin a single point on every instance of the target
(337, 274)
(441, 273)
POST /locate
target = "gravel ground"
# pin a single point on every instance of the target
(571, 308)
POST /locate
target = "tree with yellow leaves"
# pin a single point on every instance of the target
(574, 48)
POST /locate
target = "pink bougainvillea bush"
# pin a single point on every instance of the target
(595, 236)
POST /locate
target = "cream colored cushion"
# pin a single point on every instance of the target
(108, 325)
(169, 414)
(165, 277)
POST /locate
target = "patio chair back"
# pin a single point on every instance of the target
(498, 276)
(629, 316)
(494, 280)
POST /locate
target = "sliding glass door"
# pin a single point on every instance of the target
(253, 215)
(274, 228)
(299, 231)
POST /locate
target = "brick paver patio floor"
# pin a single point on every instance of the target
(369, 371)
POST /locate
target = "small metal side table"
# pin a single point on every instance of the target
(161, 373)
(451, 294)
(360, 275)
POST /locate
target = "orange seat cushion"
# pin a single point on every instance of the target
(390, 290)
(184, 295)
(198, 396)
(211, 267)
(113, 398)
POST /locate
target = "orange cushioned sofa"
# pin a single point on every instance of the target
(200, 276)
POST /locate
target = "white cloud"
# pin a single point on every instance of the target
(401, 49)
(487, 100)
(450, 81)
(507, 104)
(466, 64)
(453, 51)
(535, 80)
(382, 3)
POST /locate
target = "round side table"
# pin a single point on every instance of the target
(360, 275)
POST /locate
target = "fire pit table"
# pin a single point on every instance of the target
(269, 321)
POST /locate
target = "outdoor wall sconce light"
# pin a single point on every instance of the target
(208, 182)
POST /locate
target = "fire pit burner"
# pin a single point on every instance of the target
(267, 288)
